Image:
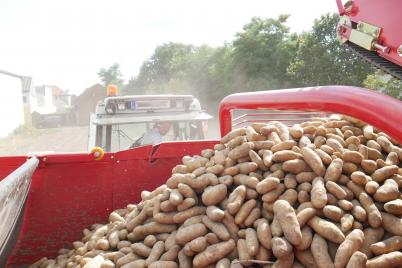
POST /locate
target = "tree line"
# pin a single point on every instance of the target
(264, 55)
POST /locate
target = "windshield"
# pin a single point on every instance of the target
(124, 136)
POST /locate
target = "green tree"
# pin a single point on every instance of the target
(168, 64)
(385, 84)
(111, 75)
(321, 60)
(262, 52)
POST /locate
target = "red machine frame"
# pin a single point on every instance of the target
(383, 14)
(381, 111)
(69, 192)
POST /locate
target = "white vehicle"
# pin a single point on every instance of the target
(120, 122)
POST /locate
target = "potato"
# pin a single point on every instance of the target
(369, 166)
(336, 190)
(384, 173)
(393, 259)
(284, 145)
(215, 213)
(391, 244)
(290, 181)
(394, 207)
(347, 221)
(232, 134)
(296, 131)
(223, 263)
(282, 156)
(214, 194)
(391, 224)
(306, 258)
(252, 242)
(295, 166)
(289, 195)
(276, 227)
(198, 245)
(305, 186)
(236, 199)
(213, 253)
(189, 233)
(245, 210)
(385, 144)
(281, 247)
(305, 215)
(327, 149)
(304, 141)
(371, 236)
(345, 205)
(334, 170)
(252, 217)
(307, 237)
(163, 264)
(273, 195)
(267, 185)
(156, 252)
(184, 215)
(387, 192)
(217, 228)
(326, 229)
(241, 151)
(326, 158)
(360, 178)
(263, 145)
(353, 157)
(318, 193)
(264, 234)
(335, 145)
(184, 261)
(286, 262)
(358, 260)
(171, 254)
(303, 196)
(288, 221)
(373, 214)
(230, 225)
(351, 244)
(314, 161)
(319, 249)
(267, 129)
(333, 213)
(371, 187)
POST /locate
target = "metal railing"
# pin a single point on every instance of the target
(382, 112)
(13, 192)
(288, 118)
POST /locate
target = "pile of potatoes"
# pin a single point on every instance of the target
(323, 193)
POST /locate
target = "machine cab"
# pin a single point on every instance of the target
(122, 122)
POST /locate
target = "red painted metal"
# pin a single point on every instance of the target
(340, 6)
(384, 14)
(69, 192)
(377, 109)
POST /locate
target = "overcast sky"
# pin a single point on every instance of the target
(65, 42)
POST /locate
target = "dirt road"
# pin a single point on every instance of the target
(65, 139)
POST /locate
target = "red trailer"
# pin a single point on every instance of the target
(66, 193)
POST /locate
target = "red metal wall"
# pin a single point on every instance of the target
(70, 192)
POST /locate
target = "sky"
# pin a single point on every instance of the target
(66, 42)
